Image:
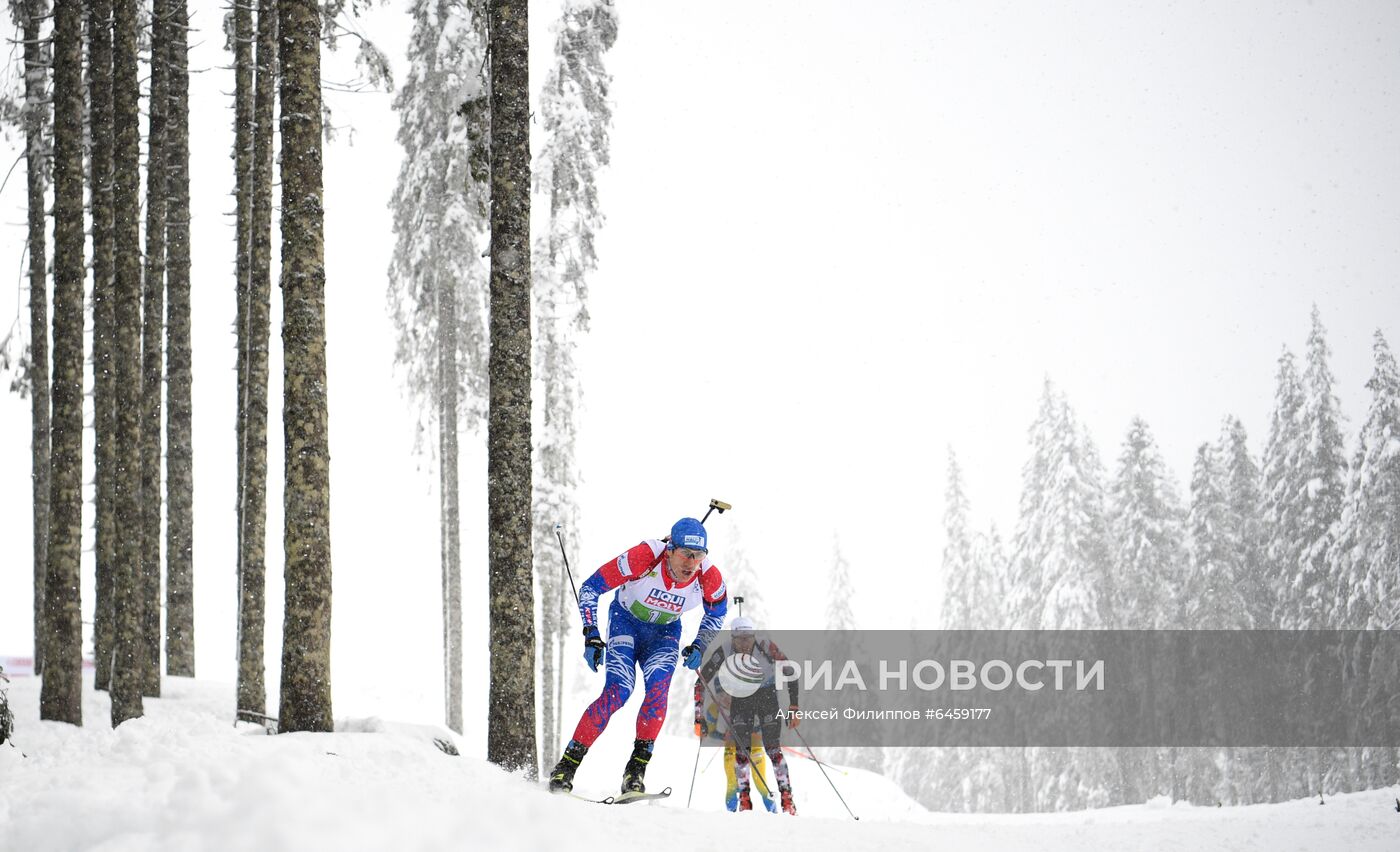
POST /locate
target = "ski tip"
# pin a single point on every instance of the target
(628, 798)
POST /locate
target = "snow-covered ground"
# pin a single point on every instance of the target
(184, 778)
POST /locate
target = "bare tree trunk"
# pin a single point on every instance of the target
(449, 381)
(179, 551)
(127, 670)
(258, 329)
(36, 119)
(510, 739)
(61, 698)
(562, 623)
(251, 688)
(548, 700)
(152, 347)
(103, 332)
(306, 631)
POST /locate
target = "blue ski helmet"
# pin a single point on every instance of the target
(688, 532)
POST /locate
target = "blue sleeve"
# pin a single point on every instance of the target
(713, 620)
(588, 594)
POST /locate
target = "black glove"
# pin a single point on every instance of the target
(593, 647)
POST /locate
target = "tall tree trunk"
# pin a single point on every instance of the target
(36, 120)
(510, 739)
(551, 459)
(561, 601)
(449, 381)
(548, 700)
(306, 630)
(251, 689)
(62, 696)
(152, 347)
(127, 669)
(104, 424)
(252, 694)
(179, 551)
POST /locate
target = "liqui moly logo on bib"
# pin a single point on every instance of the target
(659, 599)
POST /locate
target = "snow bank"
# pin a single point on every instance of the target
(184, 778)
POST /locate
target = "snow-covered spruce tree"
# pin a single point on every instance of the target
(1145, 521)
(840, 616)
(956, 778)
(744, 580)
(1244, 528)
(1312, 588)
(990, 573)
(1244, 773)
(1061, 581)
(934, 776)
(1025, 572)
(1304, 474)
(1060, 565)
(1285, 488)
(1212, 596)
(1145, 531)
(1063, 540)
(1316, 584)
(1210, 600)
(1367, 550)
(994, 781)
(437, 283)
(1247, 601)
(574, 117)
(959, 579)
(838, 601)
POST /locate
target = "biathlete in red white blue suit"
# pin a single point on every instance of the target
(656, 583)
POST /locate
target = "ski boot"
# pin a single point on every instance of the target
(636, 767)
(561, 780)
(788, 806)
(745, 803)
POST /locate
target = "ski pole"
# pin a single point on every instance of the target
(559, 534)
(822, 767)
(805, 756)
(699, 744)
(767, 794)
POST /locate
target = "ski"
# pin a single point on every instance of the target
(629, 798)
(622, 798)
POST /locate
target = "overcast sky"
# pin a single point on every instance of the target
(840, 240)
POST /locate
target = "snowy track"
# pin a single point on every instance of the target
(183, 778)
